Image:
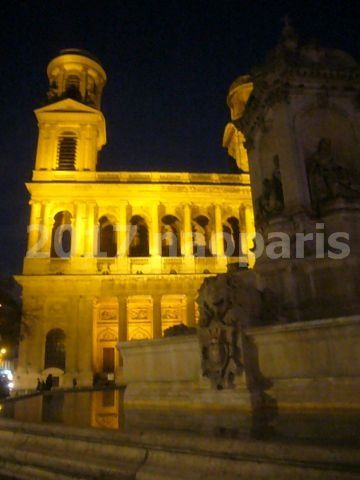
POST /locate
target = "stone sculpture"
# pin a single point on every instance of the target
(329, 180)
(179, 330)
(228, 303)
(271, 201)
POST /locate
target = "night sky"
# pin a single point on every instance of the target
(169, 66)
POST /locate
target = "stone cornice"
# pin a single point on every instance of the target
(275, 86)
(99, 177)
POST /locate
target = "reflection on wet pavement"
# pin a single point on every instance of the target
(101, 408)
(105, 409)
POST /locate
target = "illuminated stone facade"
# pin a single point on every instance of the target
(114, 255)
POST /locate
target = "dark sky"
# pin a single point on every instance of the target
(169, 65)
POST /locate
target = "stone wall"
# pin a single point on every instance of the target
(312, 364)
(308, 365)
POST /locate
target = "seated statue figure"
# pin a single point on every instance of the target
(329, 180)
(271, 201)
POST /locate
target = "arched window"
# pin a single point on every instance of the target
(231, 233)
(170, 236)
(73, 81)
(139, 237)
(107, 238)
(66, 155)
(61, 236)
(72, 87)
(201, 236)
(55, 349)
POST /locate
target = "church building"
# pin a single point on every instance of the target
(119, 255)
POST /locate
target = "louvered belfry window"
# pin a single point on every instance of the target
(72, 82)
(67, 152)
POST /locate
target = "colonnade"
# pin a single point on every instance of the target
(194, 222)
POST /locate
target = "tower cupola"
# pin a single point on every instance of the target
(72, 127)
(78, 75)
(234, 140)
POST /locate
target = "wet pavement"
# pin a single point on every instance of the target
(105, 409)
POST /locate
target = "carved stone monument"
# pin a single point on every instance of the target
(301, 126)
(301, 130)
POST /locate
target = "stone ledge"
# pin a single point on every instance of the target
(166, 455)
(308, 325)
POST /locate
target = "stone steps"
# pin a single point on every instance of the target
(182, 466)
(11, 471)
(45, 452)
(84, 460)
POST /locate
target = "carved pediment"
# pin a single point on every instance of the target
(67, 105)
(107, 335)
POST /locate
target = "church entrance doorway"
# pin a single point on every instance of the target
(108, 360)
(106, 337)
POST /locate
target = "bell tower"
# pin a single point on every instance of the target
(71, 126)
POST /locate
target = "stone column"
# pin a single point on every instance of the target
(90, 230)
(95, 227)
(249, 221)
(43, 156)
(52, 151)
(48, 135)
(61, 80)
(121, 231)
(244, 232)
(47, 223)
(248, 236)
(219, 248)
(188, 242)
(83, 83)
(84, 354)
(79, 229)
(34, 229)
(88, 151)
(154, 231)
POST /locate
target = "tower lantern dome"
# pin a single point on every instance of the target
(239, 93)
(234, 140)
(76, 74)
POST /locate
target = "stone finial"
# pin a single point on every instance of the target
(289, 37)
